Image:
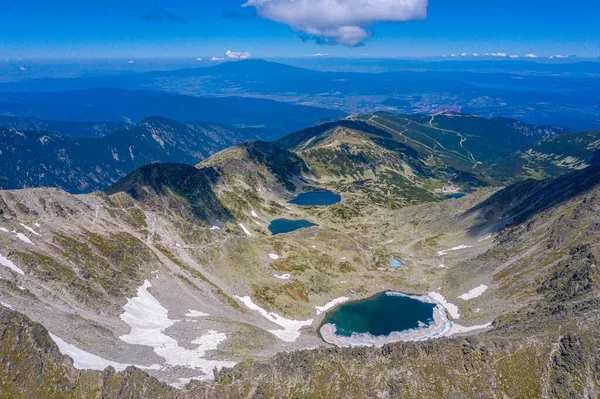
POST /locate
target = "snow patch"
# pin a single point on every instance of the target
(4, 230)
(215, 228)
(32, 231)
(83, 360)
(451, 308)
(6, 305)
(195, 313)
(274, 256)
(148, 320)
(24, 238)
(458, 329)
(246, 230)
(8, 263)
(291, 328)
(460, 247)
(253, 214)
(330, 305)
(474, 293)
(485, 238)
(283, 276)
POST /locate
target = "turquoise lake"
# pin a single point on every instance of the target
(317, 198)
(380, 315)
(282, 226)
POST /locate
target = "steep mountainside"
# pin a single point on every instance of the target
(399, 160)
(65, 128)
(551, 156)
(181, 257)
(35, 159)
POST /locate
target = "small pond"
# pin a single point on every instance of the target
(282, 226)
(386, 317)
(317, 198)
(455, 195)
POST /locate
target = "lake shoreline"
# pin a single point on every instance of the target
(439, 327)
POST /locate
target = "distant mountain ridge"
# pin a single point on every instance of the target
(132, 106)
(34, 159)
(65, 128)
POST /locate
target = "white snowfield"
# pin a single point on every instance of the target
(4, 230)
(8, 263)
(485, 238)
(83, 360)
(246, 230)
(451, 308)
(148, 320)
(283, 276)
(253, 214)
(474, 293)
(195, 313)
(215, 228)
(274, 256)
(458, 329)
(330, 305)
(291, 328)
(6, 305)
(24, 238)
(460, 247)
(32, 231)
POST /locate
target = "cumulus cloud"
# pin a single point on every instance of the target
(338, 21)
(199, 59)
(475, 55)
(321, 55)
(514, 56)
(22, 69)
(499, 54)
(561, 56)
(217, 59)
(130, 62)
(530, 55)
(237, 55)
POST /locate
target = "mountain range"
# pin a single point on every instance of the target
(560, 94)
(39, 158)
(189, 246)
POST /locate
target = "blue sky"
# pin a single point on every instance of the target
(203, 28)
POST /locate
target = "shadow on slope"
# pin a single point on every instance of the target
(177, 188)
(521, 201)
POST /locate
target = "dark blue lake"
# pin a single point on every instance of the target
(380, 315)
(317, 198)
(281, 226)
(456, 195)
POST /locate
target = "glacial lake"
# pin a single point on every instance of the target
(317, 198)
(282, 226)
(380, 315)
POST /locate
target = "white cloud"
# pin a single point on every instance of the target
(199, 59)
(130, 62)
(499, 54)
(530, 55)
(22, 68)
(561, 56)
(236, 55)
(217, 59)
(463, 55)
(321, 55)
(475, 55)
(514, 56)
(338, 21)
